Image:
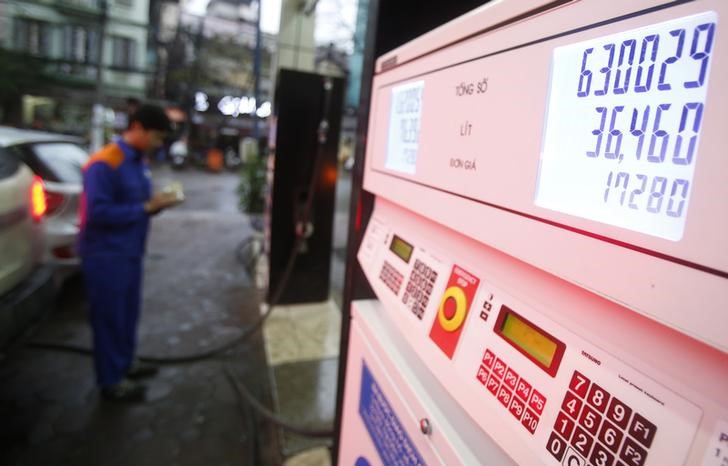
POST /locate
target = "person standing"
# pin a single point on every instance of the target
(116, 205)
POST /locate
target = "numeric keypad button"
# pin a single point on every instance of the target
(572, 405)
(579, 384)
(590, 420)
(642, 430)
(601, 456)
(556, 446)
(610, 436)
(619, 413)
(582, 441)
(564, 426)
(598, 397)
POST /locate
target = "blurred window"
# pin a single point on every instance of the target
(124, 52)
(80, 44)
(32, 36)
(63, 159)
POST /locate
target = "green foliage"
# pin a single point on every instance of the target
(252, 185)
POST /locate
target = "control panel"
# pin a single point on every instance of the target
(500, 351)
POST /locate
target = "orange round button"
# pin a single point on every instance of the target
(452, 323)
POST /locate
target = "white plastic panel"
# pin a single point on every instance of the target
(480, 124)
(388, 397)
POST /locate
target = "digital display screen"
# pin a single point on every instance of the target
(622, 131)
(542, 348)
(404, 127)
(401, 248)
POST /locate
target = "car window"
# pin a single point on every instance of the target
(8, 164)
(63, 159)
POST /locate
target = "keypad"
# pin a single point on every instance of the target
(596, 428)
(419, 288)
(512, 391)
(391, 277)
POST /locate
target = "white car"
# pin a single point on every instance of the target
(57, 160)
(26, 287)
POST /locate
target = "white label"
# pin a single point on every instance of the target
(622, 131)
(404, 127)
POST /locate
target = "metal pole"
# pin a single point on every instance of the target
(97, 123)
(256, 73)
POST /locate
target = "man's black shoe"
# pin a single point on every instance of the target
(124, 391)
(139, 370)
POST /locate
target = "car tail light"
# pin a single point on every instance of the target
(53, 201)
(38, 205)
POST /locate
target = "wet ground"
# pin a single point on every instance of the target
(197, 297)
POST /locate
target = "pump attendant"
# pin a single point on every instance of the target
(116, 205)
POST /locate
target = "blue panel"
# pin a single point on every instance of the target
(391, 440)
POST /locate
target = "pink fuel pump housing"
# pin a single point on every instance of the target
(548, 243)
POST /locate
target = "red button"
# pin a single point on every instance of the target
(530, 421)
(556, 446)
(642, 430)
(564, 425)
(601, 456)
(598, 397)
(511, 379)
(632, 453)
(579, 384)
(499, 368)
(488, 358)
(492, 384)
(517, 407)
(582, 441)
(590, 419)
(482, 375)
(504, 396)
(610, 436)
(572, 405)
(523, 390)
(538, 401)
(619, 413)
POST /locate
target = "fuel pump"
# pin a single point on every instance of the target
(547, 242)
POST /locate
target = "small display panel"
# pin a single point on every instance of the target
(401, 248)
(624, 117)
(536, 344)
(404, 127)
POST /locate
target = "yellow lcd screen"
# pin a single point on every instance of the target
(401, 248)
(531, 340)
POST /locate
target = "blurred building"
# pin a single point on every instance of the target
(54, 47)
(205, 62)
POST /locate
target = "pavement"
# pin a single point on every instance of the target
(197, 296)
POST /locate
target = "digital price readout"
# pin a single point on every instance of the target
(404, 127)
(537, 345)
(622, 131)
(401, 248)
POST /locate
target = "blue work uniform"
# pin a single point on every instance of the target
(112, 241)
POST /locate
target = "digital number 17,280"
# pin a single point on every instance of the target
(656, 195)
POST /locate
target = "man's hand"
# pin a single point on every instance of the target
(160, 201)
